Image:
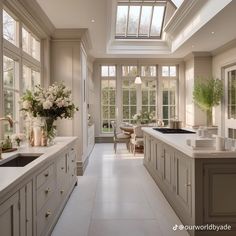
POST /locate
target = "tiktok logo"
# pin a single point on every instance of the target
(175, 227)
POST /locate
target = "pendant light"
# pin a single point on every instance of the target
(138, 80)
(138, 77)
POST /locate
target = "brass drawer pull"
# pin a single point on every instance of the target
(47, 190)
(73, 160)
(62, 168)
(48, 213)
(188, 185)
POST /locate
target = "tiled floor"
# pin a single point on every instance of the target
(116, 197)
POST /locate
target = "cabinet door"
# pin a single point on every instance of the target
(153, 153)
(147, 149)
(72, 165)
(26, 210)
(159, 155)
(183, 185)
(10, 216)
(167, 163)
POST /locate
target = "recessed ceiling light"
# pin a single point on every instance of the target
(212, 32)
(92, 20)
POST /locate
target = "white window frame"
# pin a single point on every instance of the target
(101, 105)
(17, 53)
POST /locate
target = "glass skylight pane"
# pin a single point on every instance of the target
(177, 2)
(121, 20)
(145, 20)
(134, 13)
(157, 19)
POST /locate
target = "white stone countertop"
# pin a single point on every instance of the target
(11, 176)
(178, 141)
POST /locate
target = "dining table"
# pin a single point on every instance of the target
(127, 129)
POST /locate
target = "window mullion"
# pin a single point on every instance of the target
(150, 26)
(140, 14)
(127, 23)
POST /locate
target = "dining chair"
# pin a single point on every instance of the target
(136, 139)
(119, 137)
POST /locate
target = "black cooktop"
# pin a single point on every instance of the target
(173, 131)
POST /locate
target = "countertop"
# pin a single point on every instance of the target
(178, 141)
(11, 176)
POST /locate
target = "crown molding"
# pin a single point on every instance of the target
(225, 47)
(32, 15)
(197, 54)
(180, 15)
(81, 35)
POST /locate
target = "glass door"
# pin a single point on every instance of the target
(230, 103)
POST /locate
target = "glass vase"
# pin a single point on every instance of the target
(49, 130)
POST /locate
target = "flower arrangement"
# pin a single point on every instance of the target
(18, 138)
(144, 117)
(51, 103)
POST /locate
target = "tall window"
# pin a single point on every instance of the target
(149, 88)
(140, 19)
(10, 91)
(129, 93)
(169, 93)
(27, 61)
(31, 78)
(30, 44)
(108, 97)
(9, 28)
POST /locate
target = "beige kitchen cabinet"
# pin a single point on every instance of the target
(26, 209)
(183, 183)
(167, 166)
(34, 206)
(10, 216)
(16, 213)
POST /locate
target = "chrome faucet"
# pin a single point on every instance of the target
(10, 121)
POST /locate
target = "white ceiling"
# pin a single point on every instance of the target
(80, 13)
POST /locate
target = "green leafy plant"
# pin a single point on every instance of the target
(144, 117)
(207, 94)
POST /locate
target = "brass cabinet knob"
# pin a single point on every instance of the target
(62, 191)
(62, 168)
(46, 174)
(48, 213)
(187, 185)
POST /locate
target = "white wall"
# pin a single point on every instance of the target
(220, 61)
(195, 66)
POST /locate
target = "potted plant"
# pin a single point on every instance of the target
(207, 94)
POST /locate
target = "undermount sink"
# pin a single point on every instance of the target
(20, 160)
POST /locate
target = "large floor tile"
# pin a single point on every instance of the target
(125, 228)
(104, 210)
(117, 197)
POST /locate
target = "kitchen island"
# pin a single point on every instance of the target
(35, 184)
(200, 185)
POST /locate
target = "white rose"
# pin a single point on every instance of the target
(47, 105)
(26, 105)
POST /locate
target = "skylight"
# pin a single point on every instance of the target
(140, 19)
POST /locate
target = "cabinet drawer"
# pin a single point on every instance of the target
(45, 192)
(46, 215)
(45, 175)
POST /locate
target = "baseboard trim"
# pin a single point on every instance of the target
(82, 165)
(103, 139)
